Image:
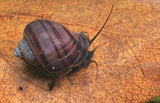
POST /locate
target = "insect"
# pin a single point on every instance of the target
(55, 48)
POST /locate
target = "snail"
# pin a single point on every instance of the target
(55, 48)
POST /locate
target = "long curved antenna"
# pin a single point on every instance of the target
(90, 42)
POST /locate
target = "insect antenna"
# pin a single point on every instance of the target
(90, 42)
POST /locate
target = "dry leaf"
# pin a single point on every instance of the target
(128, 57)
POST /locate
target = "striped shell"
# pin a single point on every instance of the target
(56, 48)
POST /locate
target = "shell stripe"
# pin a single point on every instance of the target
(53, 43)
(63, 45)
(70, 35)
(80, 49)
(74, 41)
(35, 43)
(61, 41)
(69, 55)
(58, 36)
(83, 52)
(78, 46)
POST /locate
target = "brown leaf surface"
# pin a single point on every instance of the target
(128, 57)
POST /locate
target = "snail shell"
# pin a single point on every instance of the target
(51, 45)
(54, 47)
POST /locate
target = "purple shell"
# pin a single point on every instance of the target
(56, 48)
